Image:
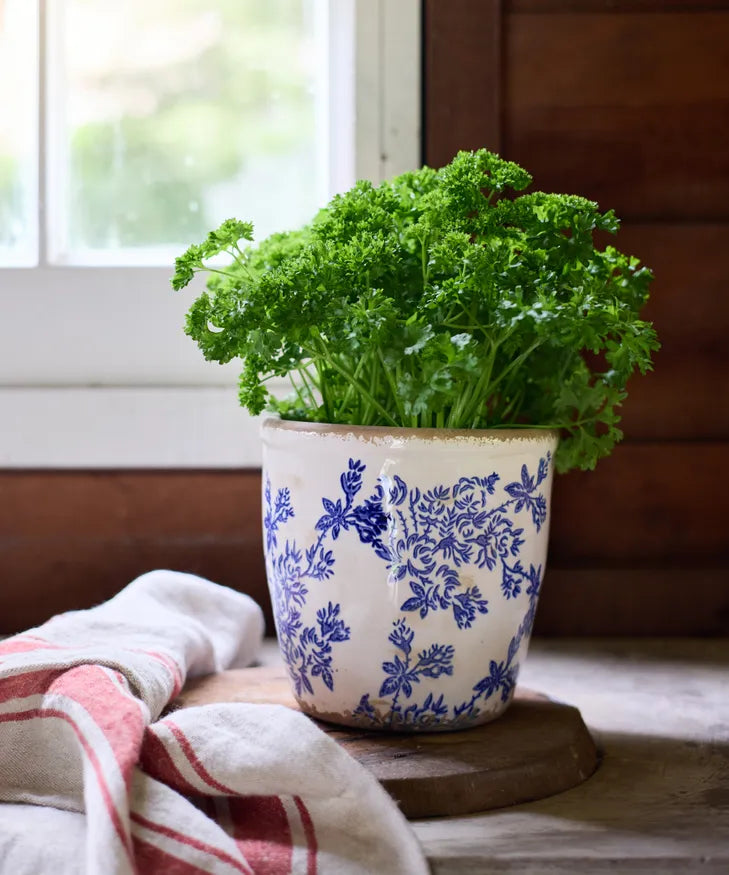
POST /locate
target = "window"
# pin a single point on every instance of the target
(133, 129)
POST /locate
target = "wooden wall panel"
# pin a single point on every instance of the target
(624, 100)
(627, 102)
(677, 600)
(70, 540)
(687, 396)
(646, 504)
(640, 7)
(627, 109)
(460, 102)
(689, 301)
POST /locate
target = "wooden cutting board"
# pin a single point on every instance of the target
(536, 749)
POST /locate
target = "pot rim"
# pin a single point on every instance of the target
(490, 435)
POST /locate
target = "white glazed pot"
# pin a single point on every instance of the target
(404, 567)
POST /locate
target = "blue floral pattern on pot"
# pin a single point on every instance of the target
(428, 540)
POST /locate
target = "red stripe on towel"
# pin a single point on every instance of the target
(199, 768)
(261, 830)
(150, 858)
(31, 682)
(310, 835)
(25, 644)
(191, 842)
(117, 714)
(169, 663)
(156, 761)
(93, 759)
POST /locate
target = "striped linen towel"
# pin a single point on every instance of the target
(93, 781)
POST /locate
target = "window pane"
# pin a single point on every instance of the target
(18, 132)
(170, 116)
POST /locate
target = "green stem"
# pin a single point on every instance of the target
(374, 386)
(297, 390)
(424, 259)
(468, 415)
(512, 408)
(516, 362)
(204, 269)
(363, 391)
(392, 385)
(313, 379)
(324, 393)
(312, 398)
(351, 389)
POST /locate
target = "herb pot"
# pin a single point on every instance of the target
(404, 567)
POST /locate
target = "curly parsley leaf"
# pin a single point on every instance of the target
(438, 298)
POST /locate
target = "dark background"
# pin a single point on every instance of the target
(623, 102)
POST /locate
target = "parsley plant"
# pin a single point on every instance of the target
(435, 299)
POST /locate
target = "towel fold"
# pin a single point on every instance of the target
(93, 781)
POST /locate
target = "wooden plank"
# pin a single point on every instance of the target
(668, 601)
(687, 397)
(69, 540)
(462, 77)
(636, 119)
(128, 504)
(647, 504)
(536, 749)
(688, 302)
(549, 7)
(72, 539)
(42, 577)
(658, 802)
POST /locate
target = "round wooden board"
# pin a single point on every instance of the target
(536, 749)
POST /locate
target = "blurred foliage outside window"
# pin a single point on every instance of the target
(18, 131)
(166, 117)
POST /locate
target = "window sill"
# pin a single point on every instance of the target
(127, 427)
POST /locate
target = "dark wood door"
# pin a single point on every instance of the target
(626, 103)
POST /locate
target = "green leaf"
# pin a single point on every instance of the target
(438, 298)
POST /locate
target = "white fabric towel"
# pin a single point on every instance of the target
(92, 781)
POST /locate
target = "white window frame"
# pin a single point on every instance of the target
(150, 400)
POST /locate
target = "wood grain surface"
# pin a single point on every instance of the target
(623, 99)
(462, 99)
(625, 557)
(627, 102)
(658, 804)
(632, 119)
(607, 7)
(536, 749)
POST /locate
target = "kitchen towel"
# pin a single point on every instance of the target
(95, 780)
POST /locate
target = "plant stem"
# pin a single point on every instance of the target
(351, 388)
(393, 386)
(323, 389)
(468, 412)
(303, 374)
(214, 270)
(334, 364)
(424, 259)
(516, 362)
(512, 408)
(297, 390)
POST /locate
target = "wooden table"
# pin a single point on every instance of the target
(659, 802)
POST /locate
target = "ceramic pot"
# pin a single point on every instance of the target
(404, 567)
